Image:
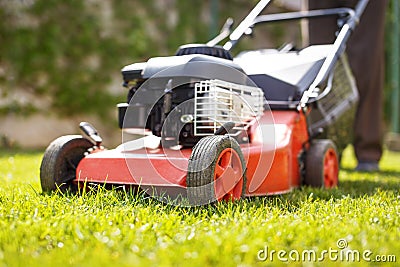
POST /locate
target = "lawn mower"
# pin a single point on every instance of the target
(217, 127)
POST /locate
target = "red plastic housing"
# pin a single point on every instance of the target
(271, 157)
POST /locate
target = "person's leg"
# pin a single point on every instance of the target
(322, 30)
(366, 53)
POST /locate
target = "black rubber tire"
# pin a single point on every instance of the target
(202, 163)
(59, 163)
(315, 162)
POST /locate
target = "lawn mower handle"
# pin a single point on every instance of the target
(245, 24)
(253, 18)
(225, 31)
(338, 48)
(353, 18)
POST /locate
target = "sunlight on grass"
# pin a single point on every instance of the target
(19, 167)
(110, 228)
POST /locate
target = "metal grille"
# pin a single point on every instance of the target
(340, 97)
(218, 102)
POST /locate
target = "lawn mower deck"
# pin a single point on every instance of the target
(166, 167)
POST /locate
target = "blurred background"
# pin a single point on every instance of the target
(60, 61)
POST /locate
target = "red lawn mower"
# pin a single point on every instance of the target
(218, 127)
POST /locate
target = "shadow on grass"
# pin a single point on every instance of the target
(354, 185)
(111, 198)
(10, 152)
(384, 173)
(367, 187)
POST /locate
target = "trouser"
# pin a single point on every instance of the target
(365, 50)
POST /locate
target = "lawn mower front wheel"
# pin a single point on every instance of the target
(58, 167)
(216, 171)
(322, 164)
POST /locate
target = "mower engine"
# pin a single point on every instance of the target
(183, 98)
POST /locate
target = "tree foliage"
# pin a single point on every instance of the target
(70, 50)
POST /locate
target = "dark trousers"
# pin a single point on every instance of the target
(365, 50)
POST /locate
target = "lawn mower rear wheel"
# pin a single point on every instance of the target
(322, 165)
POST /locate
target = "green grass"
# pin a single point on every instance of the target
(115, 228)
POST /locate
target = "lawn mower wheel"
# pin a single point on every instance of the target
(216, 170)
(322, 165)
(59, 162)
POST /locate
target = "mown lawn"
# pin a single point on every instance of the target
(118, 229)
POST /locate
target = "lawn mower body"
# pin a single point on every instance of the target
(167, 168)
(220, 127)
